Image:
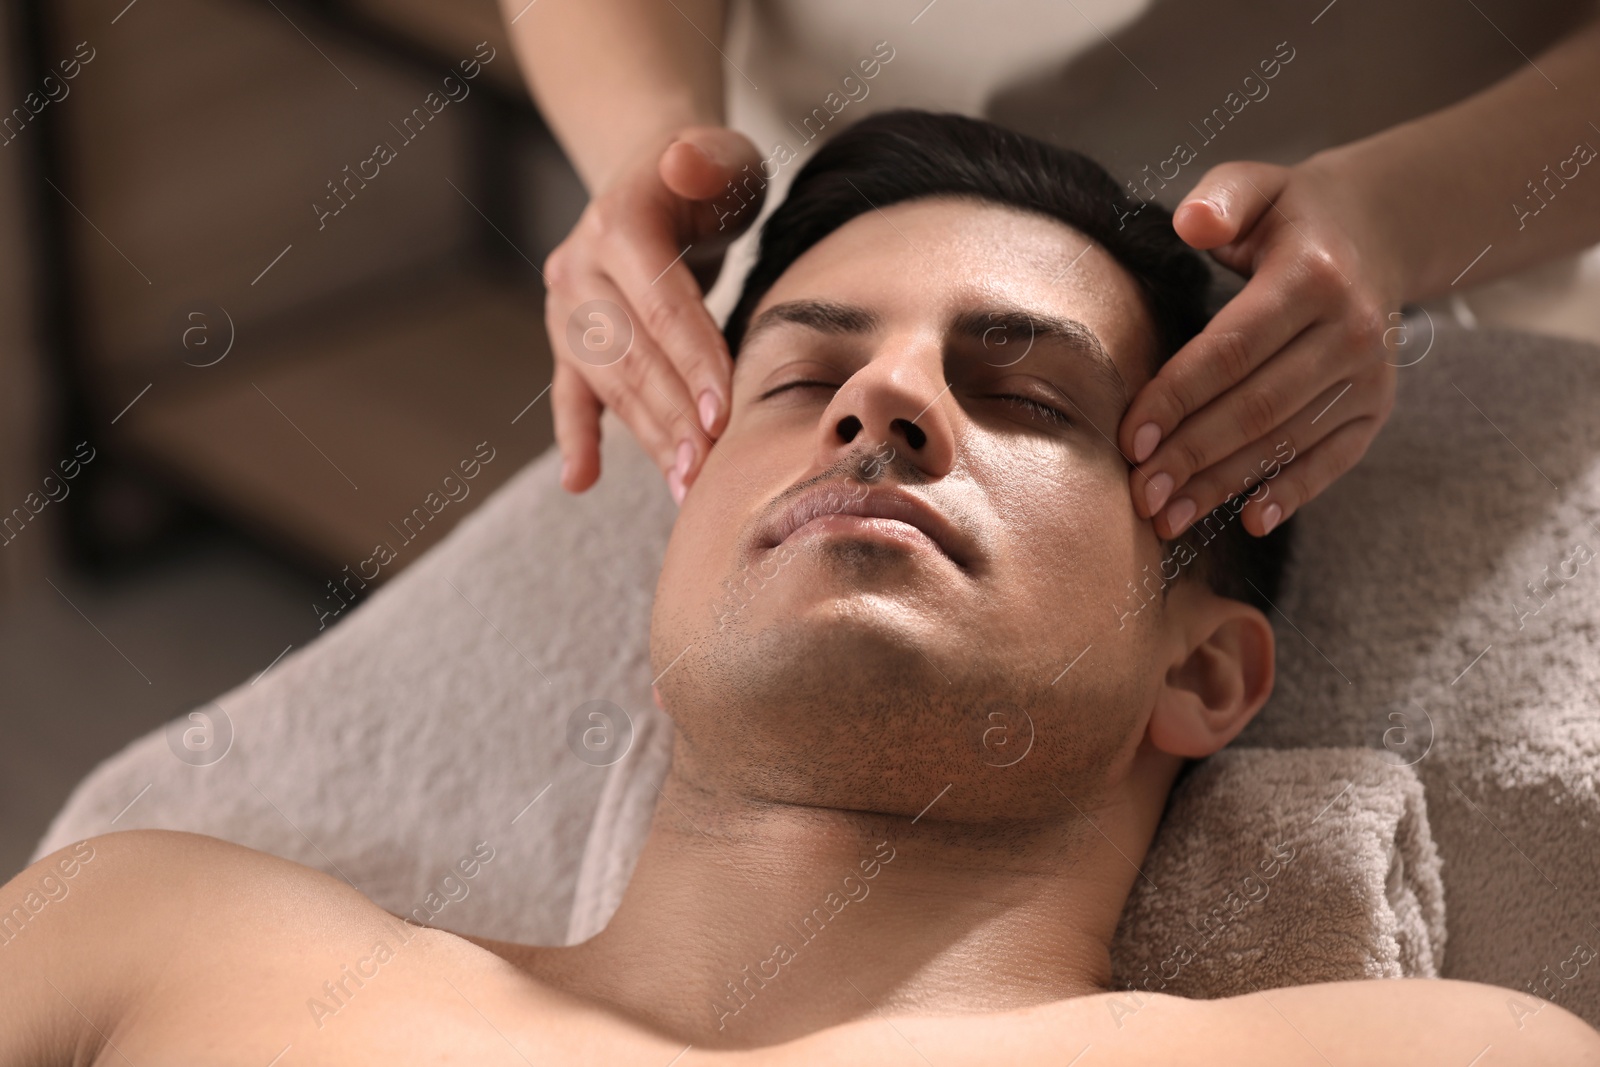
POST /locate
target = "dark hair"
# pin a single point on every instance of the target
(908, 154)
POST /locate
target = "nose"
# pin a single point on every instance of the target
(890, 411)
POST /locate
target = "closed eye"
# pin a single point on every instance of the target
(799, 383)
(1043, 410)
(1032, 406)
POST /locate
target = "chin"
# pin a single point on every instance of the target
(873, 678)
(846, 703)
(818, 634)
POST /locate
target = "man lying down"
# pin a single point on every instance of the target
(932, 538)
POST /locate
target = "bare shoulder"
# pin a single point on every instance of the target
(131, 882)
(93, 931)
(1425, 1021)
(1377, 1023)
(1404, 1022)
(160, 947)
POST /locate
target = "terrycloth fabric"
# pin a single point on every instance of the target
(1270, 869)
(1448, 591)
(429, 718)
(1303, 864)
(621, 822)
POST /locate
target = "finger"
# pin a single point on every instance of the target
(1265, 459)
(645, 390)
(1312, 472)
(671, 313)
(681, 446)
(575, 408)
(576, 412)
(1259, 321)
(704, 159)
(1266, 399)
(718, 177)
(611, 370)
(1227, 202)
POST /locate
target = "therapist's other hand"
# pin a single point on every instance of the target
(625, 304)
(1289, 382)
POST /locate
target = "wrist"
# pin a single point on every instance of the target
(643, 143)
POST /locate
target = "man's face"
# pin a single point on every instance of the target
(909, 364)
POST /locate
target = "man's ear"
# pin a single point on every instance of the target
(1219, 674)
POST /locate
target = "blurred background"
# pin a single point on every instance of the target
(205, 262)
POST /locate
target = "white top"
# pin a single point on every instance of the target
(1148, 89)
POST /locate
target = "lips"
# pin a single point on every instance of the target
(872, 502)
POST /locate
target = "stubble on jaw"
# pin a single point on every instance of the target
(844, 713)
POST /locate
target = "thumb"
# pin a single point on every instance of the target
(1227, 202)
(704, 159)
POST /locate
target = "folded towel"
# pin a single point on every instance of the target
(1269, 869)
(1276, 868)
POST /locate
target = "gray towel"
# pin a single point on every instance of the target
(1284, 868)
(1448, 589)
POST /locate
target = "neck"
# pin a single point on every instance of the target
(748, 923)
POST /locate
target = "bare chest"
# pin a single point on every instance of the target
(383, 996)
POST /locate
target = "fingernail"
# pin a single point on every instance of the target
(685, 457)
(1270, 517)
(1145, 440)
(1180, 513)
(1156, 490)
(708, 409)
(675, 483)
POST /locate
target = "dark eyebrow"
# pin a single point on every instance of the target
(975, 324)
(1019, 326)
(821, 315)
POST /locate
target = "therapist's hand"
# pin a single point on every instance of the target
(1294, 366)
(625, 304)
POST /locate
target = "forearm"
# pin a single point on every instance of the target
(612, 76)
(1442, 188)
